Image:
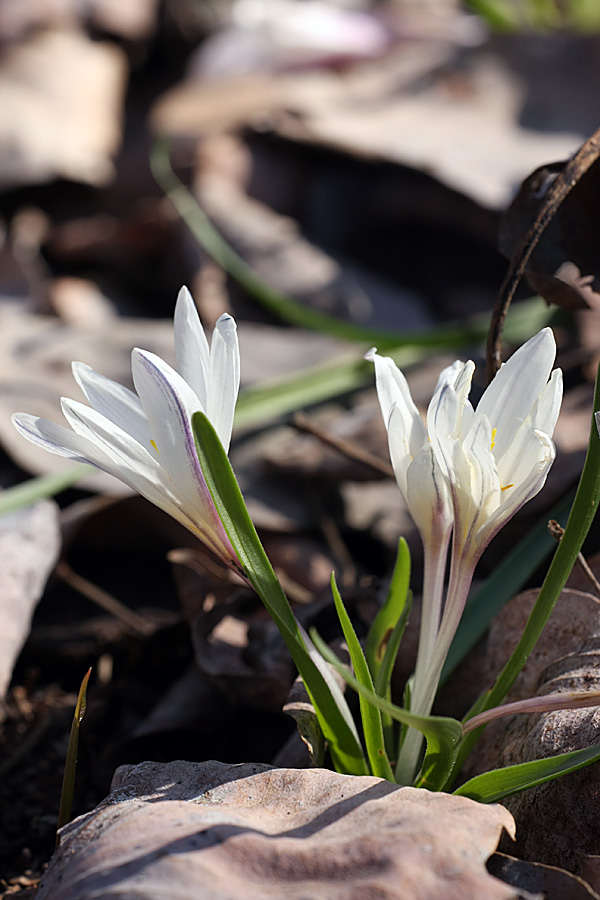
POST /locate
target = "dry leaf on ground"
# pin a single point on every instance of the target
(62, 96)
(211, 830)
(29, 547)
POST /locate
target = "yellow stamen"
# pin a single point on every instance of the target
(494, 430)
(154, 445)
(505, 487)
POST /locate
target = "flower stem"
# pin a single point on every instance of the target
(427, 679)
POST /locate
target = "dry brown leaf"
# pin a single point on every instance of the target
(212, 830)
(62, 96)
(29, 548)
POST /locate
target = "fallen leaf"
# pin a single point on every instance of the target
(211, 830)
(29, 548)
(62, 97)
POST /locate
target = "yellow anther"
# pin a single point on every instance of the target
(154, 445)
(505, 487)
(494, 430)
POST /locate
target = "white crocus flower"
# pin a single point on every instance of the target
(467, 470)
(145, 439)
(496, 457)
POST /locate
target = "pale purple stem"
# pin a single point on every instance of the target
(549, 703)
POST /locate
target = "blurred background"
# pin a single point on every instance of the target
(356, 158)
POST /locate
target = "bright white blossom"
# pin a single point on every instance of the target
(466, 472)
(475, 466)
(145, 439)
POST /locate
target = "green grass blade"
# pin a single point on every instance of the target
(442, 734)
(68, 785)
(392, 611)
(285, 307)
(370, 715)
(35, 489)
(335, 720)
(499, 783)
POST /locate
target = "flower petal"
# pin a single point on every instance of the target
(192, 354)
(115, 402)
(393, 391)
(169, 404)
(510, 396)
(224, 378)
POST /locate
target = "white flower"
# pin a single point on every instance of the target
(490, 460)
(145, 439)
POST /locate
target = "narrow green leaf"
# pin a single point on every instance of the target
(499, 783)
(370, 715)
(335, 720)
(68, 785)
(390, 614)
(442, 734)
(35, 489)
(283, 306)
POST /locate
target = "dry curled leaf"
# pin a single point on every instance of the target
(212, 830)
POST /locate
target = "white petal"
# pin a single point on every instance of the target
(545, 411)
(427, 496)
(64, 442)
(191, 347)
(169, 404)
(224, 379)
(509, 398)
(52, 437)
(112, 441)
(114, 401)
(540, 453)
(484, 485)
(448, 407)
(393, 390)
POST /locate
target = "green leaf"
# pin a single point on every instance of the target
(442, 734)
(499, 783)
(334, 717)
(394, 610)
(35, 489)
(68, 785)
(370, 715)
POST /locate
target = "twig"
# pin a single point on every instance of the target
(357, 454)
(556, 530)
(565, 181)
(104, 600)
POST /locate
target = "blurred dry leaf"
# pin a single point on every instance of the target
(62, 97)
(211, 830)
(29, 547)
(414, 108)
(133, 20)
(35, 371)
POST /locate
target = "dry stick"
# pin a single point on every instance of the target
(556, 531)
(565, 181)
(106, 601)
(357, 454)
